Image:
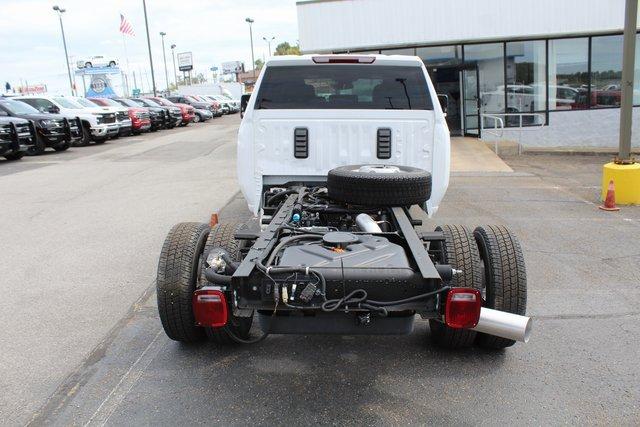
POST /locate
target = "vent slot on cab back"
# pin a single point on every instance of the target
(383, 146)
(301, 143)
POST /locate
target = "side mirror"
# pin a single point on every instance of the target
(444, 103)
(53, 110)
(244, 100)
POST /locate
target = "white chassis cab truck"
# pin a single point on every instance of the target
(337, 157)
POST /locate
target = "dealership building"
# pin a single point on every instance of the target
(544, 73)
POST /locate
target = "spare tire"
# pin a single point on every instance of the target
(379, 185)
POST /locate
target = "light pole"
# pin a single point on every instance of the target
(164, 56)
(269, 43)
(175, 73)
(253, 61)
(146, 24)
(60, 11)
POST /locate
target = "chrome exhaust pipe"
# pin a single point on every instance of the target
(366, 223)
(505, 325)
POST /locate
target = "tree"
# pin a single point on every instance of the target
(259, 64)
(285, 48)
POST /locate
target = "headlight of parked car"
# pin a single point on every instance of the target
(47, 122)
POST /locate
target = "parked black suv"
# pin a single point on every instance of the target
(16, 137)
(51, 130)
(173, 115)
(159, 115)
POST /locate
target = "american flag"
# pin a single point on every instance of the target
(125, 27)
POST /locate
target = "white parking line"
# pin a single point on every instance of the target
(126, 383)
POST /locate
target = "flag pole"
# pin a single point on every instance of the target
(126, 55)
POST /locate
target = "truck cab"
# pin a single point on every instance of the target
(311, 113)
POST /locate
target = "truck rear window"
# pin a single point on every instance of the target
(368, 87)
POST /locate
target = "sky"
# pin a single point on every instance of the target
(215, 31)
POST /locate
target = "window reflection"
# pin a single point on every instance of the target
(489, 58)
(526, 79)
(568, 74)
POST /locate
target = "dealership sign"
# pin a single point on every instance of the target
(232, 67)
(185, 61)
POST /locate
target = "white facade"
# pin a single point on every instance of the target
(559, 60)
(332, 25)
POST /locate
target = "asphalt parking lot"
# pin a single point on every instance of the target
(83, 343)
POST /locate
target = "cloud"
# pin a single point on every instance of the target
(214, 30)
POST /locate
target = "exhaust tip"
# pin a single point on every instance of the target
(527, 330)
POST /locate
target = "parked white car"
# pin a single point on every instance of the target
(122, 113)
(97, 61)
(342, 110)
(97, 124)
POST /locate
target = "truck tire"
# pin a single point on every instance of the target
(223, 236)
(379, 185)
(14, 156)
(37, 148)
(178, 272)
(62, 147)
(460, 251)
(505, 277)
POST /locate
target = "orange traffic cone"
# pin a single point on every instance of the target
(610, 200)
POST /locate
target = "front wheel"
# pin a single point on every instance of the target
(460, 251)
(223, 236)
(178, 272)
(62, 147)
(14, 156)
(505, 277)
(196, 119)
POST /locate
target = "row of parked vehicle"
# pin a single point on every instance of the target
(31, 124)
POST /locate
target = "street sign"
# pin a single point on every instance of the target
(185, 61)
(135, 92)
(214, 68)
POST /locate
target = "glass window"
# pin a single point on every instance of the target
(344, 87)
(440, 56)
(568, 74)
(489, 58)
(526, 76)
(16, 107)
(67, 103)
(606, 71)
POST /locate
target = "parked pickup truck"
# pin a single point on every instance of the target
(97, 124)
(51, 130)
(16, 137)
(342, 159)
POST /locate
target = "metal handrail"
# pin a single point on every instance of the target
(498, 116)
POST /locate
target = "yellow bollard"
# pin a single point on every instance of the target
(627, 181)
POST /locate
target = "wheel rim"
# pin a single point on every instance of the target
(378, 169)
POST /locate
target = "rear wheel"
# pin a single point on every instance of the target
(505, 277)
(460, 251)
(223, 236)
(178, 272)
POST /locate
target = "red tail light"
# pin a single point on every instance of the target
(340, 59)
(210, 307)
(462, 309)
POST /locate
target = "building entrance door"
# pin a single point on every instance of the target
(446, 81)
(471, 104)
